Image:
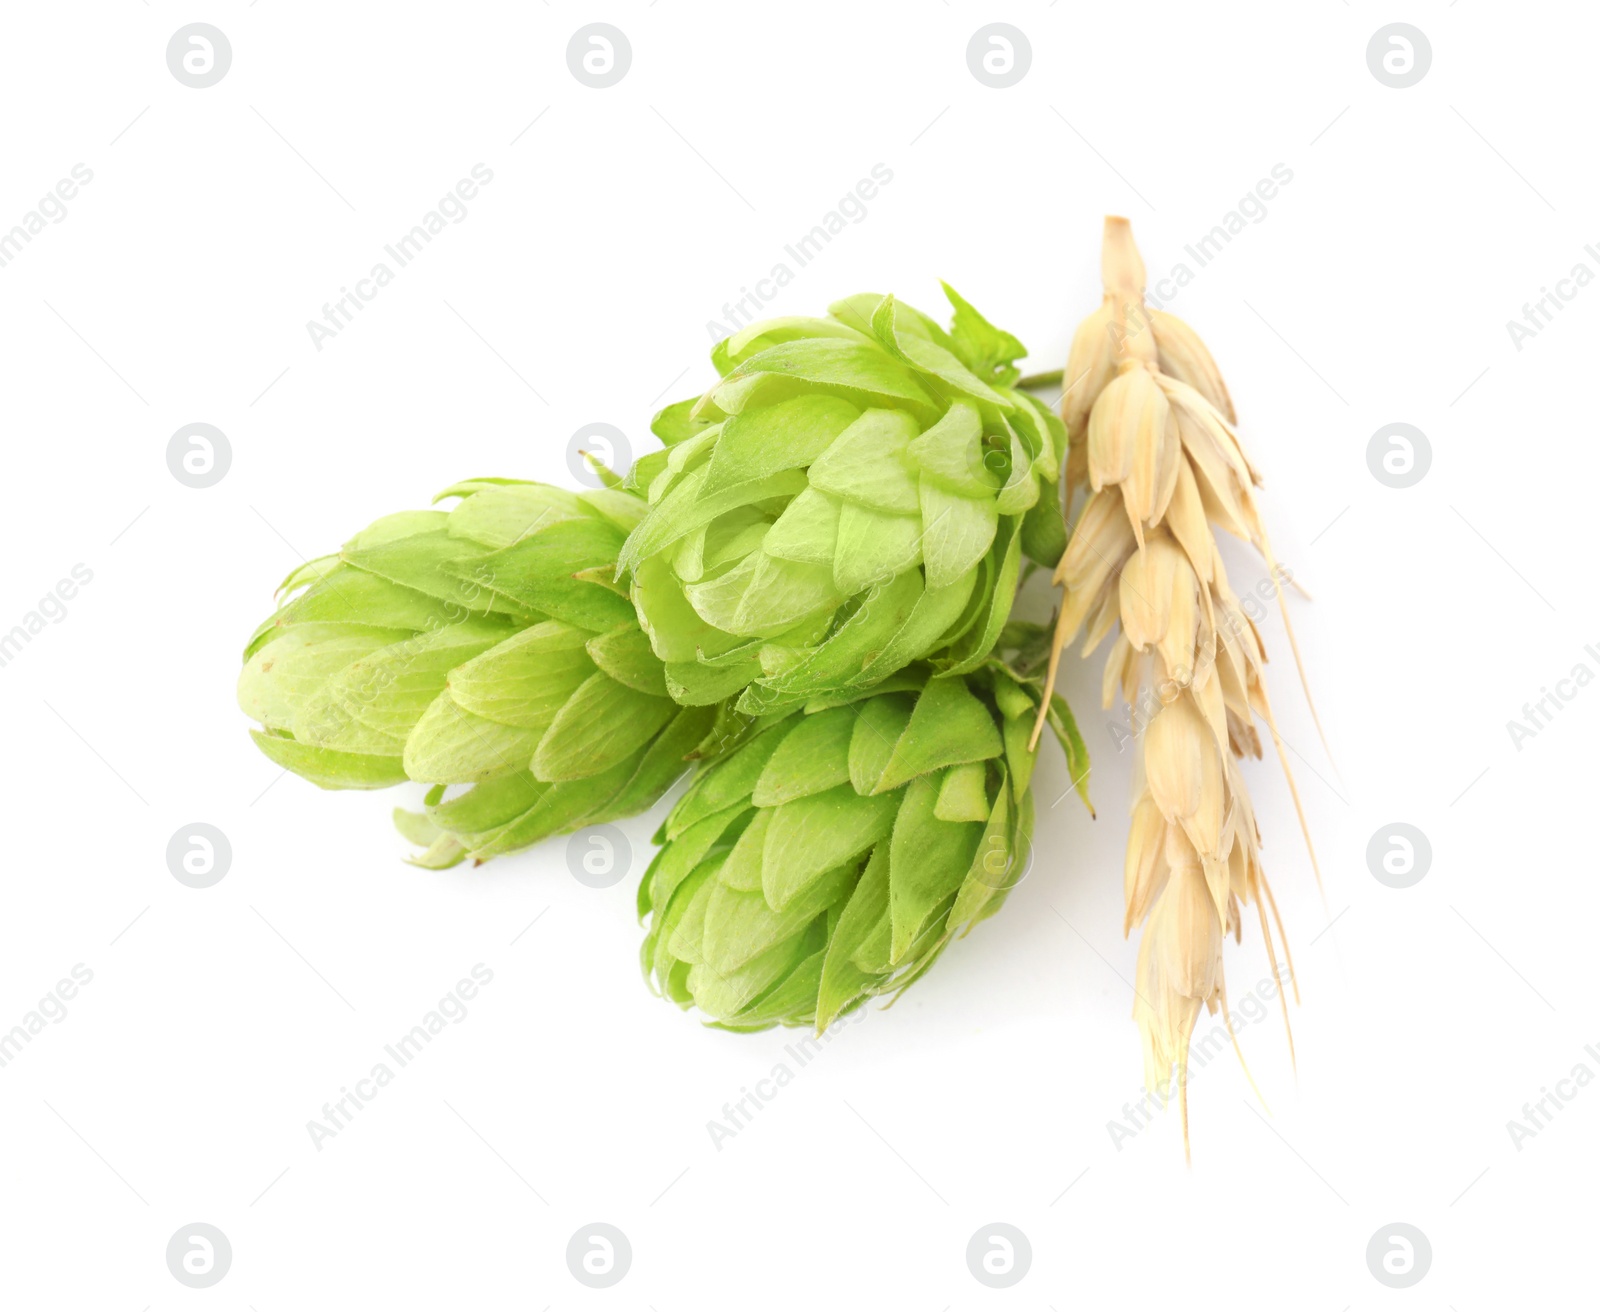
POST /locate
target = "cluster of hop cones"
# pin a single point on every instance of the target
(804, 601)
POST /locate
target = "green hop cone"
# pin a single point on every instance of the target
(832, 856)
(856, 493)
(486, 646)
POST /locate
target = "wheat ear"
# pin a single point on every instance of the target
(1151, 431)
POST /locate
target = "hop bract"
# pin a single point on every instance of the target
(855, 494)
(833, 855)
(486, 645)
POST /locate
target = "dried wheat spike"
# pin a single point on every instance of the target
(1150, 426)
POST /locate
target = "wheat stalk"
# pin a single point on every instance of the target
(1150, 426)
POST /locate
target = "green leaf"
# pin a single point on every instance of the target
(812, 759)
(735, 350)
(788, 435)
(949, 726)
(682, 925)
(813, 835)
(989, 351)
(601, 725)
(923, 630)
(882, 613)
(676, 633)
(496, 515)
(963, 793)
(683, 510)
(742, 869)
(1020, 758)
(560, 809)
(995, 868)
(865, 917)
(977, 643)
(431, 563)
(537, 573)
(763, 596)
(276, 681)
(874, 547)
(415, 827)
(792, 997)
(346, 595)
(731, 780)
(690, 683)
(807, 531)
(660, 765)
(951, 453)
(867, 463)
(877, 729)
(621, 509)
(1072, 744)
(674, 862)
(959, 531)
(625, 655)
(741, 926)
(928, 859)
(727, 996)
(928, 355)
(1022, 488)
(674, 424)
(373, 703)
(525, 680)
(838, 362)
(328, 769)
(450, 746)
(1044, 534)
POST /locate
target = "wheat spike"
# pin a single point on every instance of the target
(1151, 432)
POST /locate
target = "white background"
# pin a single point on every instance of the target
(1376, 290)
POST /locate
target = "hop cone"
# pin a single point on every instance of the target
(1152, 433)
(485, 645)
(832, 856)
(853, 495)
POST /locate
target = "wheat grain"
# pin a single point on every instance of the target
(1151, 431)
